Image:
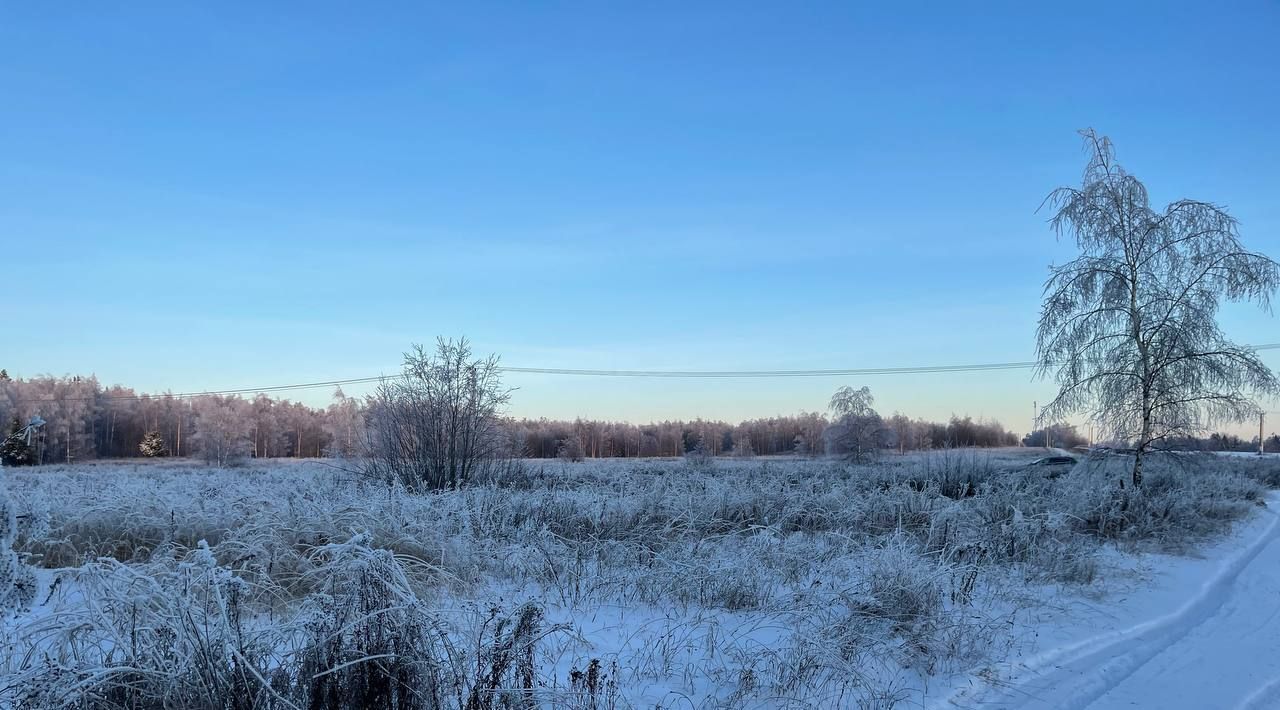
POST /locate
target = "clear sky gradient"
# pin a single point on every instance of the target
(203, 196)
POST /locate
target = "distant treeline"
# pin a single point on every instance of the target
(1220, 442)
(1067, 436)
(805, 433)
(85, 420)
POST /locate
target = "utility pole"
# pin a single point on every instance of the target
(1261, 442)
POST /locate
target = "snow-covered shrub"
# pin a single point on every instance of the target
(908, 592)
(956, 473)
(1017, 520)
(879, 609)
(187, 633)
(1263, 469)
(164, 634)
(368, 640)
(17, 580)
(727, 576)
(1184, 498)
(900, 587)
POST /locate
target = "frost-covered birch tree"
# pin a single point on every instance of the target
(343, 421)
(222, 429)
(1129, 328)
(858, 431)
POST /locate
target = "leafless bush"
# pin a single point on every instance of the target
(438, 425)
(570, 449)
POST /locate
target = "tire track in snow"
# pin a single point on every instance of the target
(1268, 696)
(1072, 677)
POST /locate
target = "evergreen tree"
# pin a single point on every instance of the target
(699, 456)
(800, 445)
(152, 445)
(15, 451)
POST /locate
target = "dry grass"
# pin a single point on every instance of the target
(875, 571)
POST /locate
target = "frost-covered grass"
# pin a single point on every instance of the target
(600, 584)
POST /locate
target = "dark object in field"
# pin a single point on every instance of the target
(1110, 451)
(1053, 466)
(1050, 461)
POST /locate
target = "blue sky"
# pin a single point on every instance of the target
(221, 195)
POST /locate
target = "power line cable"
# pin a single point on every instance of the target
(671, 374)
(979, 367)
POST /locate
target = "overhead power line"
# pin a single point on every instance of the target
(673, 374)
(711, 374)
(977, 367)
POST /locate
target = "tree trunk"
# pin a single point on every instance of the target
(1145, 441)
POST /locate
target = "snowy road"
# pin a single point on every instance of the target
(1220, 649)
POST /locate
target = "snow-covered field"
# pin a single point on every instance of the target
(952, 579)
(1196, 632)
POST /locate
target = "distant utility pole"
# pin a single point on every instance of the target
(1035, 416)
(1035, 421)
(1261, 416)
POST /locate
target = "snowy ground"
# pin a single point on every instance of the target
(1201, 632)
(955, 580)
